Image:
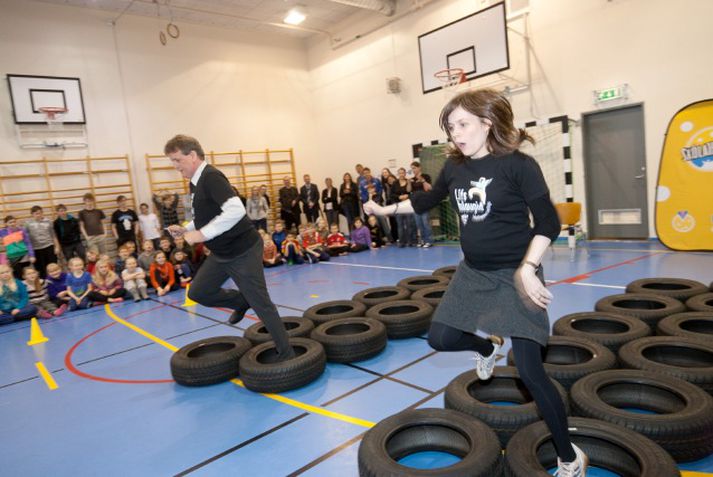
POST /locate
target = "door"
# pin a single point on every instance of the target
(615, 173)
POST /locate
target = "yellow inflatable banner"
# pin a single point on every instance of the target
(684, 193)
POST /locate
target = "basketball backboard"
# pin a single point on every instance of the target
(477, 43)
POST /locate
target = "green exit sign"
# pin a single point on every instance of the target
(609, 94)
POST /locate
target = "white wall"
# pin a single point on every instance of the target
(233, 90)
(658, 47)
(228, 89)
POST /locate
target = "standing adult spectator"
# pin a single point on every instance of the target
(263, 193)
(235, 246)
(371, 183)
(387, 181)
(289, 204)
(422, 183)
(124, 223)
(400, 191)
(330, 199)
(44, 241)
(349, 199)
(257, 209)
(66, 229)
(309, 196)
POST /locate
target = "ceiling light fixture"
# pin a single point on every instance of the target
(295, 17)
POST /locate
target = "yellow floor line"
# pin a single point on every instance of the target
(690, 473)
(285, 400)
(46, 375)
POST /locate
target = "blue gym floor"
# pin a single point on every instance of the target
(117, 412)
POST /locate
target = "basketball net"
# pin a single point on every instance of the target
(450, 79)
(54, 116)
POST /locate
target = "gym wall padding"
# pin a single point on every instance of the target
(684, 193)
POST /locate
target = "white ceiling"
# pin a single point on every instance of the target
(244, 15)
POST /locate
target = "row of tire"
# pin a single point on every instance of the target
(672, 384)
(341, 331)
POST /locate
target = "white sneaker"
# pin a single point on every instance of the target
(484, 364)
(576, 468)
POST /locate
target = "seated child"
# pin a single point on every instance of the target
(361, 237)
(270, 256)
(279, 235)
(377, 235)
(147, 255)
(14, 301)
(336, 242)
(312, 245)
(56, 285)
(37, 291)
(165, 245)
(179, 243)
(322, 229)
(291, 250)
(182, 268)
(132, 249)
(79, 284)
(162, 275)
(124, 253)
(134, 278)
(107, 286)
(92, 258)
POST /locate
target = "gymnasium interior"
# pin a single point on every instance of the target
(617, 96)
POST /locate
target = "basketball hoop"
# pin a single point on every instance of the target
(450, 78)
(53, 114)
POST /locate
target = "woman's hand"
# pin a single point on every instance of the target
(533, 287)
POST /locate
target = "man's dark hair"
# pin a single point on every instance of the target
(120, 198)
(88, 196)
(35, 208)
(366, 169)
(185, 144)
(416, 163)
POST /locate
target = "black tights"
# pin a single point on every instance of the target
(528, 359)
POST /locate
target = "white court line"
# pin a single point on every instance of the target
(375, 266)
(583, 284)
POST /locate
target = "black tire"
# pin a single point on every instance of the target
(378, 295)
(261, 372)
(421, 430)
(692, 324)
(685, 358)
(404, 318)
(702, 302)
(448, 271)
(608, 446)
(683, 419)
(678, 288)
(208, 361)
(647, 307)
(567, 359)
(431, 295)
(296, 327)
(351, 339)
(331, 310)
(423, 281)
(467, 394)
(609, 329)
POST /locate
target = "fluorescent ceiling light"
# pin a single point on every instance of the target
(294, 17)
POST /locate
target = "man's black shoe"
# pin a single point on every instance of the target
(238, 314)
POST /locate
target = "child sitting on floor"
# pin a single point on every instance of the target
(92, 258)
(291, 250)
(146, 257)
(56, 288)
(336, 242)
(14, 300)
(270, 256)
(79, 284)
(124, 253)
(377, 234)
(361, 237)
(107, 286)
(37, 292)
(162, 274)
(182, 267)
(279, 235)
(313, 246)
(135, 280)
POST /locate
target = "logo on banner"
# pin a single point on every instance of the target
(683, 221)
(698, 151)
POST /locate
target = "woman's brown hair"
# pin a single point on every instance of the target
(503, 136)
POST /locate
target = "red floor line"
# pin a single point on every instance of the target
(73, 369)
(584, 276)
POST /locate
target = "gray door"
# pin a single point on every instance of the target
(615, 173)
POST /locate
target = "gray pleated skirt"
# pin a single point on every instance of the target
(492, 302)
